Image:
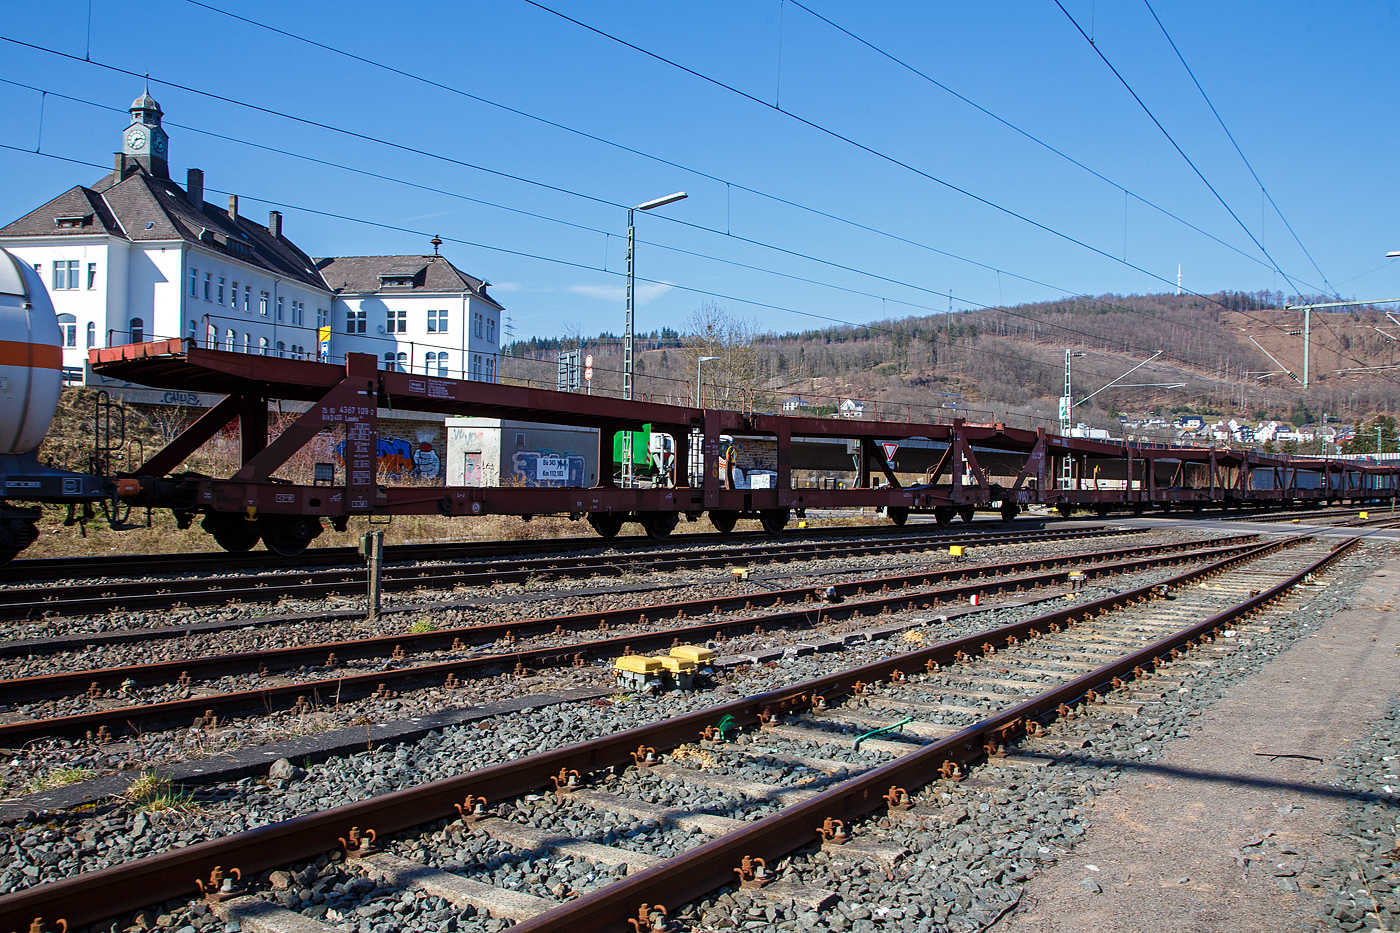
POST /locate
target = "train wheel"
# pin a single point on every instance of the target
(899, 514)
(944, 515)
(659, 524)
(724, 521)
(967, 514)
(1101, 510)
(606, 524)
(1065, 510)
(289, 535)
(233, 533)
(774, 520)
(1009, 511)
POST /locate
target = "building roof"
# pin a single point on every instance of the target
(399, 275)
(141, 207)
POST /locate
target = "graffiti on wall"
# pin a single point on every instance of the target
(398, 459)
(547, 468)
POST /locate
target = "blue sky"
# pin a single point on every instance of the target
(1307, 89)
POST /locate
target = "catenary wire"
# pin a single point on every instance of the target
(1219, 119)
(884, 156)
(622, 147)
(1016, 129)
(784, 250)
(875, 327)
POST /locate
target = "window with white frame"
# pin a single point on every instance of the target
(221, 290)
(396, 362)
(247, 342)
(194, 282)
(437, 321)
(247, 297)
(262, 304)
(211, 336)
(280, 301)
(396, 322)
(281, 348)
(491, 330)
(91, 335)
(136, 330)
(355, 322)
(323, 318)
(65, 274)
(92, 276)
(477, 320)
(262, 346)
(490, 369)
(68, 327)
(233, 297)
(208, 286)
(436, 365)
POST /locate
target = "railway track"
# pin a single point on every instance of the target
(957, 702)
(79, 568)
(23, 602)
(329, 673)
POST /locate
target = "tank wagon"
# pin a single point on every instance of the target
(31, 379)
(901, 467)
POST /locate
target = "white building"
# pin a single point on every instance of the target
(136, 257)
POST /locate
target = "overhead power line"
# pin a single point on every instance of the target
(877, 328)
(1181, 152)
(881, 155)
(1016, 129)
(1181, 58)
(797, 254)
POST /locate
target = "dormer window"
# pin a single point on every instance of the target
(72, 221)
(389, 279)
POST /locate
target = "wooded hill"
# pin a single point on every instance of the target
(1011, 361)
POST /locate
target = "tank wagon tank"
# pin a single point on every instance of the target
(31, 380)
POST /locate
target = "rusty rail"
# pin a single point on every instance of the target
(94, 896)
(353, 686)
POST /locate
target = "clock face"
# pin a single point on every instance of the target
(135, 139)
(158, 145)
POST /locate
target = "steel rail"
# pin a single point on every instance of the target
(84, 599)
(356, 685)
(49, 686)
(698, 871)
(93, 896)
(66, 568)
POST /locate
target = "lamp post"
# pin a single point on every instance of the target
(627, 333)
(627, 359)
(700, 379)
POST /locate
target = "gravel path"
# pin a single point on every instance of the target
(1217, 833)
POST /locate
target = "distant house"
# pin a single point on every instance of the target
(796, 403)
(1191, 422)
(850, 408)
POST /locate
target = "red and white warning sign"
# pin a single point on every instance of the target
(588, 367)
(890, 447)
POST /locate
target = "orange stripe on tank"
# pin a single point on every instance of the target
(36, 355)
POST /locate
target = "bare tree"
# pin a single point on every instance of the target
(735, 372)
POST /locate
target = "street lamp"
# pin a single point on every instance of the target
(699, 379)
(627, 333)
(627, 359)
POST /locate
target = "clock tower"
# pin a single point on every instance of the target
(144, 141)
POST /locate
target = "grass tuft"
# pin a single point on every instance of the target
(59, 777)
(156, 792)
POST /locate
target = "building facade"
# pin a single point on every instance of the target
(136, 257)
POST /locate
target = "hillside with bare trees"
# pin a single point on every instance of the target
(1237, 354)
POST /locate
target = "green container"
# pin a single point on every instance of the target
(641, 447)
